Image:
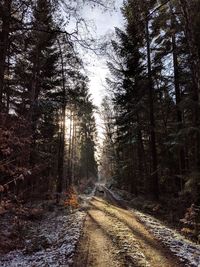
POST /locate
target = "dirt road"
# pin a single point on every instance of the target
(113, 236)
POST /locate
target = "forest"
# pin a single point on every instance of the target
(151, 110)
(43, 92)
(69, 186)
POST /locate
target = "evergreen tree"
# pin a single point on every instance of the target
(153, 97)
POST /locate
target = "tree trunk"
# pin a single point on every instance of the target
(33, 98)
(7, 89)
(73, 150)
(70, 149)
(61, 151)
(153, 179)
(189, 13)
(142, 169)
(4, 44)
(177, 90)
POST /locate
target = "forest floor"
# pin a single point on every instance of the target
(46, 239)
(102, 232)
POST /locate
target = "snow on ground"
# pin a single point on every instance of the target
(187, 252)
(52, 244)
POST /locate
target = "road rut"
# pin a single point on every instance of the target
(113, 236)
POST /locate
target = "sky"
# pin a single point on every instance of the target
(101, 26)
(105, 23)
(96, 66)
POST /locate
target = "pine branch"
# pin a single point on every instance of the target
(158, 8)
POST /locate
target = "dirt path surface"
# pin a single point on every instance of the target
(96, 248)
(113, 236)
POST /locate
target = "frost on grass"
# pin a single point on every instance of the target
(52, 244)
(188, 252)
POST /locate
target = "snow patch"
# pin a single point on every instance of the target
(185, 250)
(61, 234)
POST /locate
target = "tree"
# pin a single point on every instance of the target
(5, 8)
(153, 96)
(108, 155)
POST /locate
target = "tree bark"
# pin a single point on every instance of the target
(4, 44)
(33, 98)
(177, 90)
(70, 150)
(61, 151)
(153, 187)
(188, 14)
